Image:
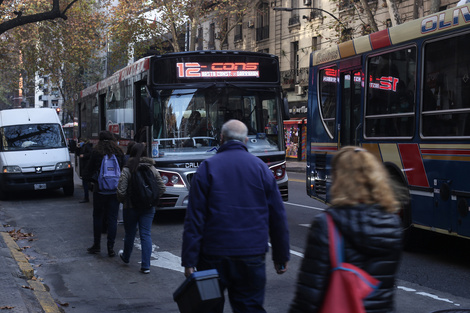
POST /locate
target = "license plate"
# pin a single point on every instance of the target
(39, 186)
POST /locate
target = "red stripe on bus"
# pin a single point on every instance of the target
(380, 39)
(413, 165)
(458, 152)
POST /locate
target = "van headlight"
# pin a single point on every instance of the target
(12, 169)
(63, 165)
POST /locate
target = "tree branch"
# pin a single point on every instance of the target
(21, 20)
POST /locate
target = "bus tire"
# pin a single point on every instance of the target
(68, 190)
(403, 196)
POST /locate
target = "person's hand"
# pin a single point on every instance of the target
(280, 268)
(188, 271)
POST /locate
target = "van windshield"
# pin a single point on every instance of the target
(32, 137)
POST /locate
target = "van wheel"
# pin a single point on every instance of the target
(68, 190)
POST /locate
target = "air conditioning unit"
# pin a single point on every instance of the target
(307, 2)
(299, 90)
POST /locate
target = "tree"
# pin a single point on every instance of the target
(61, 49)
(14, 14)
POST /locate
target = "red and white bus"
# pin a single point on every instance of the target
(177, 104)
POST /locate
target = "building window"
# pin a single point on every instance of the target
(212, 36)
(315, 43)
(238, 28)
(200, 39)
(295, 59)
(294, 17)
(262, 22)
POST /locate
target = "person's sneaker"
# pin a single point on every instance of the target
(121, 255)
(144, 270)
(94, 249)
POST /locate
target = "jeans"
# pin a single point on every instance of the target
(144, 220)
(105, 209)
(85, 190)
(244, 277)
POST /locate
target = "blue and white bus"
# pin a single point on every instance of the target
(403, 94)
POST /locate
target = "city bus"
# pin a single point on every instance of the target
(70, 135)
(177, 103)
(403, 94)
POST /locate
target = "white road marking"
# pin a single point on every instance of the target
(305, 206)
(425, 294)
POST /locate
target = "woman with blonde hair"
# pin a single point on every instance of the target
(364, 210)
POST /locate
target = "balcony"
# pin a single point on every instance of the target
(294, 20)
(292, 77)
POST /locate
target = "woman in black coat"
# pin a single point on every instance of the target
(364, 210)
(105, 204)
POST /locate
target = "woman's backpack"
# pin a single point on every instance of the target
(143, 189)
(110, 173)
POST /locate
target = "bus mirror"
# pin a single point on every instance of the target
(146, 112)
(285, 111)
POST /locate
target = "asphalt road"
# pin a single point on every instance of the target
(433, 277)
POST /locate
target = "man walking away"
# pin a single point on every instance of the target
(234, 208)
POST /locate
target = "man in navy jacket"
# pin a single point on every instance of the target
(234, 208)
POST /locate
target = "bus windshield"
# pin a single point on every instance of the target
(32, 137)
(189, 120)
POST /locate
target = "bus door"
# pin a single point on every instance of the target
(349, 128)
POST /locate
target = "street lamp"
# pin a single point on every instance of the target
(317, 9)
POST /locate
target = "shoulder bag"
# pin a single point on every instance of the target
(348, 284)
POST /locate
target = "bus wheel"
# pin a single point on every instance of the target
(408, 229)
(403, 196)
(68, 190)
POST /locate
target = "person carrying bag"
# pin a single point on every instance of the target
(354, 248)
(348, 284)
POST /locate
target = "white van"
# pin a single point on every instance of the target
(33, 152)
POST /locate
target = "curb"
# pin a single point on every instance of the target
(42, 295)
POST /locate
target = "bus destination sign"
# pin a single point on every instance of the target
(217, 69)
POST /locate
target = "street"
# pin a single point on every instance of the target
(434, 276)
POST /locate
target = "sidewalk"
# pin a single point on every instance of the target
(295, 166)
(20, 292)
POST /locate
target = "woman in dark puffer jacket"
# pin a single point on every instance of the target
(364, 210)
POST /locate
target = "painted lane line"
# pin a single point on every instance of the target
(305, 206)
(425, 294)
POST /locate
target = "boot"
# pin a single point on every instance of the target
(111, 252)
(94, 249)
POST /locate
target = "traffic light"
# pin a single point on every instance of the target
(57, 110)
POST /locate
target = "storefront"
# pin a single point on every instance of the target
(295, 131)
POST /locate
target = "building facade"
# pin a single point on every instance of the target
(293, 29)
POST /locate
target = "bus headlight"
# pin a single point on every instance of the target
(63, 165)
(12, 169)
(172, 179)
(279, 170)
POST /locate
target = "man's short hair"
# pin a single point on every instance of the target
(234, 130)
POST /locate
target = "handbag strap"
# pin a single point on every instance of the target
(336, 243)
